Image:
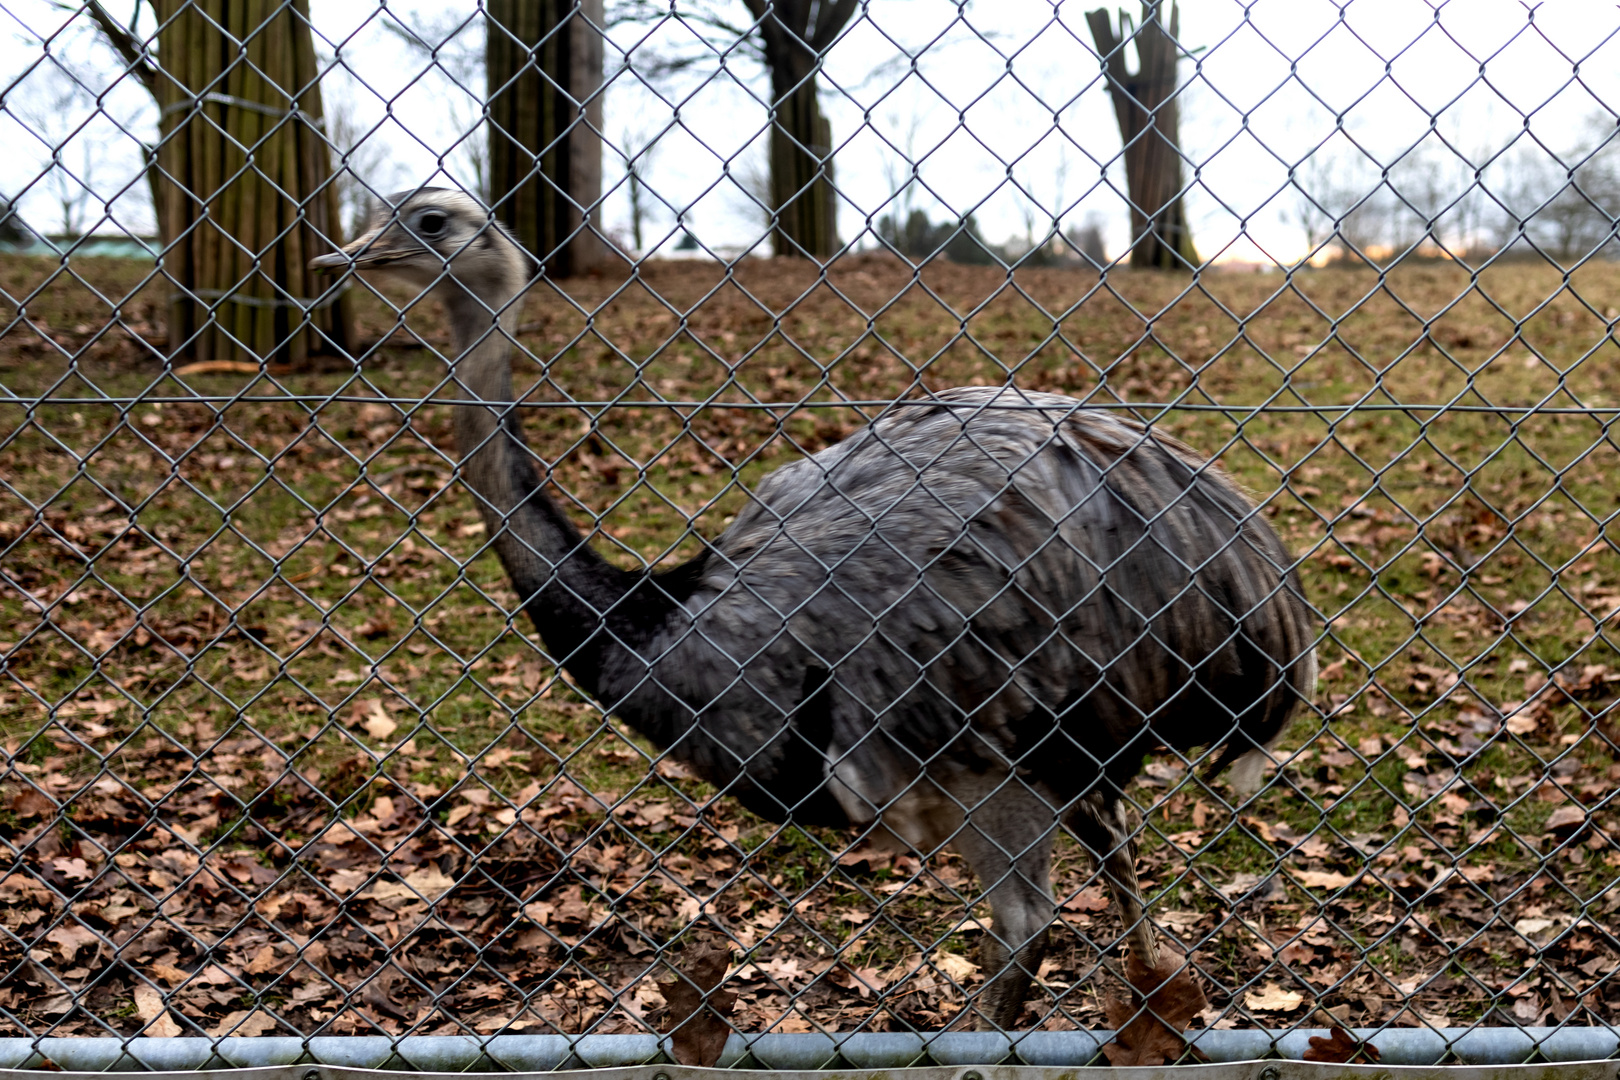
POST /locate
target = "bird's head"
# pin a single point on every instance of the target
(432, 237)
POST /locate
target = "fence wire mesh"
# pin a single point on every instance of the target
(284, 753)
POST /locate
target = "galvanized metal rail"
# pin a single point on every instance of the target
(782, 1054)
(1246, 1070)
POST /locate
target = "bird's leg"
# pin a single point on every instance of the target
(1109, 830)
(1119, 869)
(1007, 839)
(1011, 971)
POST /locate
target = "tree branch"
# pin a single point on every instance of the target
(643, 11)
(127, 45)
(831, 22)
(654, 67)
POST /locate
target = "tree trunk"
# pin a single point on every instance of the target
(243, 186)
(1146, 107)
(804, 203)
(804, 206)
(544, 66)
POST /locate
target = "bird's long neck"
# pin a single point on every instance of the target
(588, 612)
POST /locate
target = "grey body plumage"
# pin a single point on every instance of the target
(963, 625)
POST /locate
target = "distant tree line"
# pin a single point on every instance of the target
(920, 239)
(1520, 200)
(251, 174)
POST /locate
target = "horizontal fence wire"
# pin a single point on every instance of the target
(1144, 407)
(591, 534)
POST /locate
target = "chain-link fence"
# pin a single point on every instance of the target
(337, 697)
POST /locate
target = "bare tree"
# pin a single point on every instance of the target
(1146, 108)
(749, 196)
(1043, 201)
(1580, 197)
(13, 230)
(453, 46)
(54, 112)
(640, 148)
(796, 33)
(126, 40)
(1310, 180)
(544, 71)
(900, 169)
(1340, 205)
(788, 38)
(908, 228)
(1511, 189)
(1087, 242)
(1426, 188)
(364, 167)
(242, 177)
(86, 100)
(1563, 205)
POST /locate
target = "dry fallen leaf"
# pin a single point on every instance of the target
(1148, 1024)
(32, 803)
(70, 939)
(866, 857)
(864, 980)
(264, 960)
(369, 714)
(427, 883)
(1566, 819)
(169, 973)
(1521, 723)
(1323, 879)
(1179, 921)
(956, 967)
(1273, 998)
(1341, 1048)
(242, 1024)
(1528, 1009)
(698, 1022)
(344, 882)
(149, 1005)
(1530, 927)
(1087, 901)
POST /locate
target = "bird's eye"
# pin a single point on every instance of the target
(431, 224)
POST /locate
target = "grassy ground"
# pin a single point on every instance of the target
(241, 608)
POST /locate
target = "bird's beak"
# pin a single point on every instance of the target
(360, 254)
(336, 261)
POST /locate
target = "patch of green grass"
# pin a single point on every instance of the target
(283, 553)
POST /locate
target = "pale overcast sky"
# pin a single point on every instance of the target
(1003, 111)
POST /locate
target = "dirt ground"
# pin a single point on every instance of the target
(278, 758)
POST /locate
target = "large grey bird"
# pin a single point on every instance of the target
(961, 626)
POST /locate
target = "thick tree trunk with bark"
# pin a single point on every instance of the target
(544, 65)
(804, 205)
(802, 195)
(243, 191)
(1148, 112)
